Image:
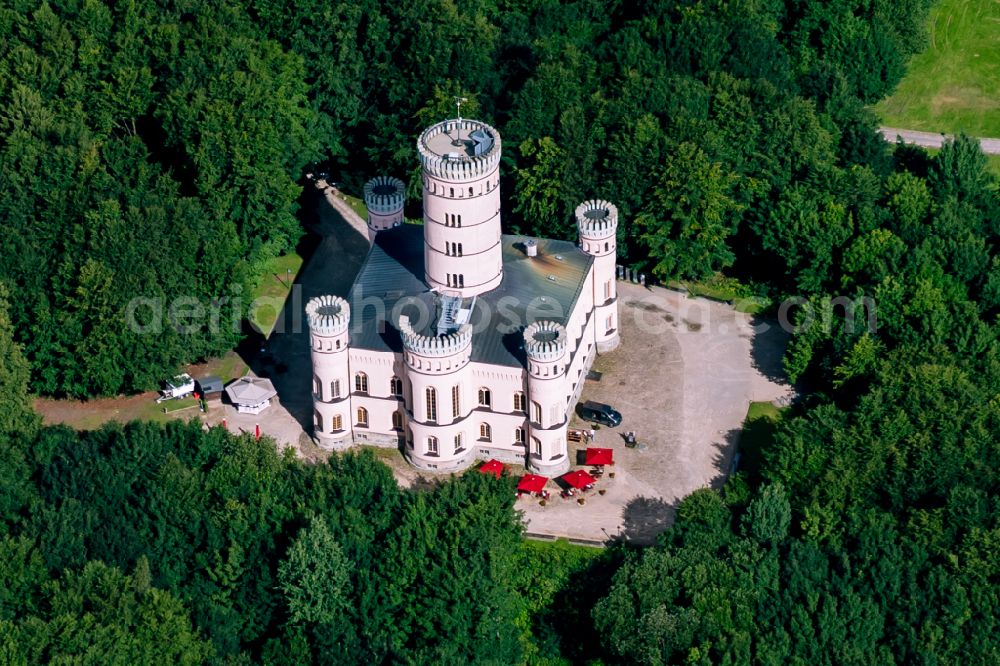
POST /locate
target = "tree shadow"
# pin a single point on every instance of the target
(727, 457)
(565, 628)
(645, 518)
(767, 349)
(332, 252)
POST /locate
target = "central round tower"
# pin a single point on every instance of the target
(460, 162)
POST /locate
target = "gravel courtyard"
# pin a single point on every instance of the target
(683, 378)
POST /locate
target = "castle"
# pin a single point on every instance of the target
(458, 342)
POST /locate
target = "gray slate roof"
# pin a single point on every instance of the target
(392, 281)
(250, 390)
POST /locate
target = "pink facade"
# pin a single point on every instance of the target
(460, 162)
(432, 392)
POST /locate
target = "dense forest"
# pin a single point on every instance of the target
(157, 150)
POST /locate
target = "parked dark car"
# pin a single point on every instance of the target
(598, 412)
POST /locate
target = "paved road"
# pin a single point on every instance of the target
(933, 140)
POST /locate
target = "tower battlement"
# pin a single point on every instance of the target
(328, 315)
(384, 195)
(459, 150)
(545, 341)
(434, 345)
(597, 219)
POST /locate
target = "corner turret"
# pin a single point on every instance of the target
(597, 222)
(545, 343)
(384, 198)
(329, 319)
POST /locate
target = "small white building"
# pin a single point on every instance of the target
(251, 395)
(457, 342)
(178, 386)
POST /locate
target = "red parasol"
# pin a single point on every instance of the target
(257, 430)
(532, 483)
(494, 467)
(579, 479)
(597, 456)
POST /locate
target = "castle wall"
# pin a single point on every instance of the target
(377, 369)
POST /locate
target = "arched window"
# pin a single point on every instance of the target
(335, 388)
(337, 423)
(536, 412)
(396, 386)
(318, 421)
(317, 388)
(397, 421)
(458, 221)
(459, 251)
(519, 435)
(536, 446)
(485, 432)
(432, 410)
(461, 280)
(456, 403)
(470, 191)
(606, 246)
(485, 398)
(361, 382)
(362, 417)
(458, 443)
(519, 402)
(432, 446)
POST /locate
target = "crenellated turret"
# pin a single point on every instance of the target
(329, 319)
(459, 150)
(437, 367)
(384, 198)
(545, 343)
(461, 193)
(597, 222)
(435, 353)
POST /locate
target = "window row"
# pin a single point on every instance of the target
(337, 422)
(455, 280)
(484, 188)
(485, 435)
(452, 220)
(485, 396)
(453, 249)
(361, 385)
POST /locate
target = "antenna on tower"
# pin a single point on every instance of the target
(457, 141)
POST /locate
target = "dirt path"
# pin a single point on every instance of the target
(932, 140)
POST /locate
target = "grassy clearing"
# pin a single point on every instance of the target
(230, 366)
(269, 296)
(170, 409)
(759, 429)
(730, 290)
(955, 84)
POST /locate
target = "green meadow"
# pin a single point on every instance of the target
(954, 85)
